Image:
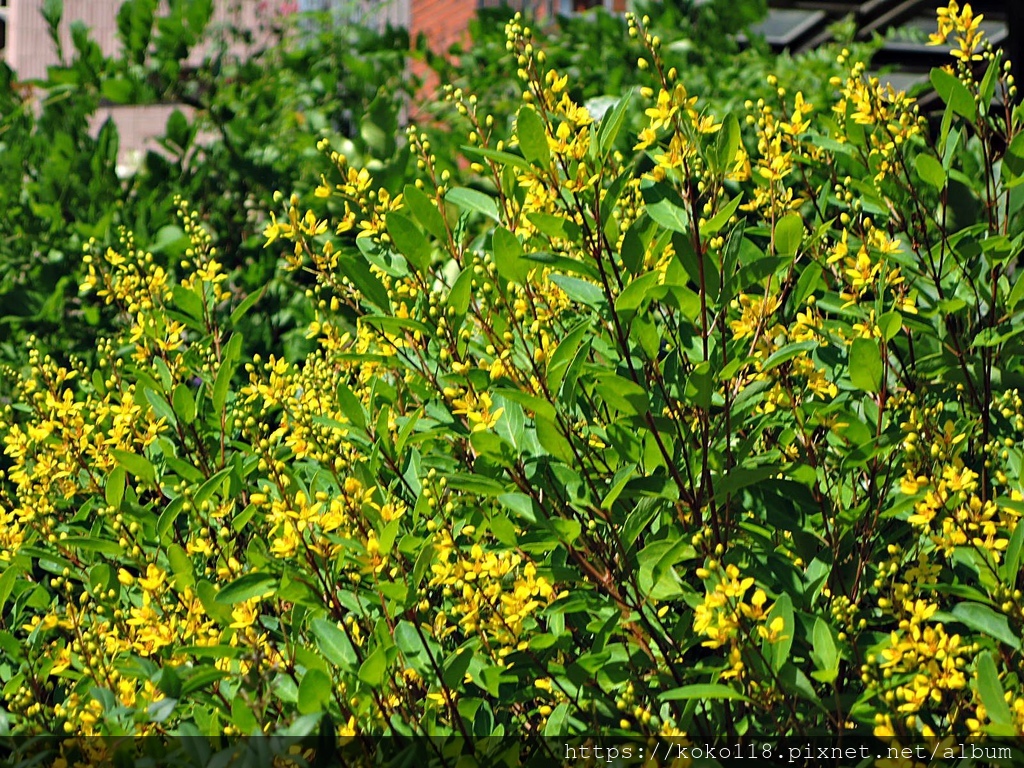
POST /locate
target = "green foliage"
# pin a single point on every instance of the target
(255, 127)
(667, 423)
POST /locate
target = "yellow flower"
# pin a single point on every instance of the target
(477, 411)
(153, 579)
(647, 137)
(662, 113)
(244, 615)
(272, 231)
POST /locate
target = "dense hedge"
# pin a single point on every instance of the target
(709, 430)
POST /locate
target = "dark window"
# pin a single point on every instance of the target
(578, 6)
(515, 5)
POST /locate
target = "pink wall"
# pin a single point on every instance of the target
(29, 49)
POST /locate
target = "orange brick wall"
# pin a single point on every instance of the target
(442, 21)
(445, 21)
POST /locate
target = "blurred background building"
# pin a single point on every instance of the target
(25, 46)
(794, 25)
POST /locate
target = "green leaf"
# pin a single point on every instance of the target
(168, 516)
(825, 655)
(538, 405)
(865, 365)
(181, 567)
(314, 691)
(991, 690)
(988, 83)
(172, 240)
(410, 242)
(374, 668)
(633, 250)
(777, 653)
(983, 619)
(991, 337)
(553, 441)
(113, 491)
(636, 294)
(1016, 293)
(138, 465)
(565, 264)
(53, 11)
(703, 692)
(184, 404)
(930, 170)
(622, 477)
(699, 388)
(247, 587)
(211, 485)
(179, 134)
(950, 147)
(622, 394)
(808, 283)
(954, 93)
(425, 210)
(461, 292)
(505, 158)
(789, 232)
(471, 200)
(666, 208)
(555, 726)
(580, 290)
(787, 353)
(92, 544)
(333, 643)
(728, 144)
(12, 573)
(721, 218)
(555, 226)
(221, 385)
(455, 667)
(208, 597)
(118, 90)
(508, 257)
(243, 717)
(377, 127)
(533, 139)
(355, 269)
(350, 405)
(638, 520)
(609, 204)
(160, 405)
(567, 391)
(247, 303)
(160, 710)
(1012, 558)
(738, 478)
(611, 124)
(1013, 161)
(891, 323)
(201, 678)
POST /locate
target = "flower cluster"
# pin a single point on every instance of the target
(616, 420)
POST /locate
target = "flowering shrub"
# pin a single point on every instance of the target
(710, 432)
(251, 126)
